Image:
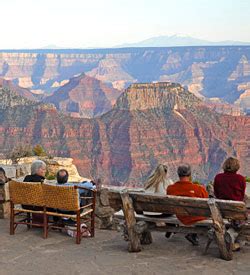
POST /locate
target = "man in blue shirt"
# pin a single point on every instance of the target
(62, 177)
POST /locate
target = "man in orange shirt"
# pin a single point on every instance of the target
(184, 187)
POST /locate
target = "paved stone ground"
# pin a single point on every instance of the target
(27, 253)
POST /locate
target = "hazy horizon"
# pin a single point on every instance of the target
(101, 24)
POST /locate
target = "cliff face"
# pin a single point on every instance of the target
(222, 72)
(149, 124)
(84, 96)
(17, 89)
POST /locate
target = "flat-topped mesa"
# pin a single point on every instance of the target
(164, 95)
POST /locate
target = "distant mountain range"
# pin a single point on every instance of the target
(213, 72)
(179, 41)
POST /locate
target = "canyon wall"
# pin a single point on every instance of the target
(149, 124)
(215, 72)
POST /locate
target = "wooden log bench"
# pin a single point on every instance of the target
(138, 227)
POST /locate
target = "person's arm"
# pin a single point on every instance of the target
(216, 187)
(87, 184)
(204, 193)
(243, 188)
(168, 190)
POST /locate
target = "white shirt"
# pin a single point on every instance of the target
(161, 191)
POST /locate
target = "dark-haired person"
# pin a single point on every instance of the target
(3, 178)
(62, 177)
(230, 185)
(184, 187)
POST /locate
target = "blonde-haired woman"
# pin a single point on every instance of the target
(158, 181)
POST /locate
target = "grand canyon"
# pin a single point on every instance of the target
(221, 72)
(149, 123)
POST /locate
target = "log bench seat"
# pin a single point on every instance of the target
(137, 227)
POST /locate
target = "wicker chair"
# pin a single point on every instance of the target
(31, 195)
(67, 198)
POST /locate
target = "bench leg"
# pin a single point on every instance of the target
(225, 244)
(45, 224)
(128, 210)
(12, 219)
(78, 228)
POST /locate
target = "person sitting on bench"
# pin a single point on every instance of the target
(184, 187)
(157, 184)
(158, 181)
(3, 178)
(38, 171)
(62, 177)
(230, 185)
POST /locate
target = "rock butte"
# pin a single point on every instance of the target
(149, 124)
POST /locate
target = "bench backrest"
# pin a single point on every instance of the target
(28, 193)
(38, 194)
(185, 206)
(61, 197)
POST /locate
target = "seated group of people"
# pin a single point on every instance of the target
(38, 172)
(227, 185)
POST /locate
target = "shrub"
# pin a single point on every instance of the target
(50, 177)
(18, 152)
(39, 151)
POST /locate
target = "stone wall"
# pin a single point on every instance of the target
(53, 165)
(4, 201)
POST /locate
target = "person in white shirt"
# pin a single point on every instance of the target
(158, 181)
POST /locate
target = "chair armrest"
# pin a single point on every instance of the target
(86, 206)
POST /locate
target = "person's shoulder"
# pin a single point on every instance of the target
(171, 187)
(202, 189)
(219, 175)
(240, 177)
(27, 178)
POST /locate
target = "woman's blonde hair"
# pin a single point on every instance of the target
(231, 165)
(158, 176)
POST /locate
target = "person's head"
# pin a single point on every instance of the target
(157, 177)
(3, 178)
(231, 165)
(38, 167)
(62, 176)
(184, 172)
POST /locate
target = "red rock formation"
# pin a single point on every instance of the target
(149, 124)
(84, 96)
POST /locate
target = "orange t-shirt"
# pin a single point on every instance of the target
(188, 189)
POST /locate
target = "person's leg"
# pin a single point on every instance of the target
(192, 238)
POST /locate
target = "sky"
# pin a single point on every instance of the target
(107, 23)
